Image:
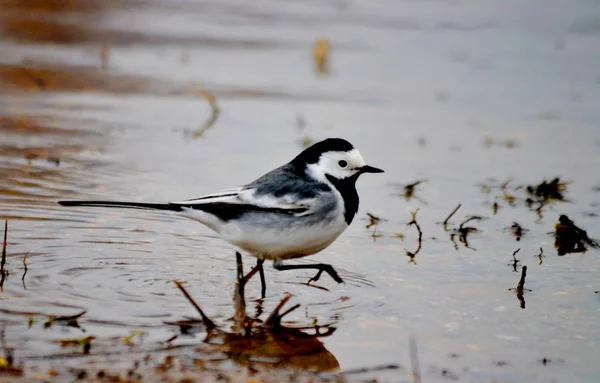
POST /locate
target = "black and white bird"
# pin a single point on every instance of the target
(293, 211)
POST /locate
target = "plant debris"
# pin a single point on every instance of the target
(373, 220)
(508, 144)
(545, 361)
(253, 339)
(570, 238)
(71, 321)
(545, 193)
(520, 289)
(445, 223)
(409, 191)
(463, 232)
(206, 320)
(540, 256)
(133, 334)
(413, 221)
(85, 342)
(518, 231)
(3, 273)
(495, 207)
(548, 191)
(24, 270)
(321, 56)
(514, 263)
(215, 111)
(7, 367)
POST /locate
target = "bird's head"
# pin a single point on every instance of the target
(333, 157)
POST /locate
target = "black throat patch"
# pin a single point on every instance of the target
(347, 188)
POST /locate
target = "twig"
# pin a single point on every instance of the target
(4, 246)
(70, 320)
(25, 269)
(414, 360)
(286, 312)
(540, 255)
(521, 285)
(515, 261)
(469, 219)
(207, 321)
(495, 207)
(214, 111)
(520, 289)
(273, 318)
(3, 273)
(413, 221)
(373, 220)
(371, 369)
(445, 223)
(465, 231)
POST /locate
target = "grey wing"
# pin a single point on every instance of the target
(279, 191)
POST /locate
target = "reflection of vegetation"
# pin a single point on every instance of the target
(7, 367)
(508, 144)
(413, 222)
(409, 191)
(306, 139)
(445, 223)
(71, 320)
(518, 231)
(514, 263)
(321, 53)
(544, 194)
(373, 220)
(537, 197)
(540, 256)
(84, 342)
(462, 231)
(269, 343)
(214, 112)
(570, 238)
(520, 289)
(414, 360)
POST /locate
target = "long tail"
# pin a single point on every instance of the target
(127, 205)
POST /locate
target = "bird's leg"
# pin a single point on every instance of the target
(318, 266)
(263, 283)
(240, 266)
(243, 279)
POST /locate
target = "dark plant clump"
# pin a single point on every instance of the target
(569, 238)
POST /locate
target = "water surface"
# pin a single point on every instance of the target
(101, 99)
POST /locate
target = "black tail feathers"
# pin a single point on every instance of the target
(126, 205)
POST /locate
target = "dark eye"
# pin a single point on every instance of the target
(342, 164)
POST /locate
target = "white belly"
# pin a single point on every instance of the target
(282, 243)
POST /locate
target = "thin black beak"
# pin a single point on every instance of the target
(370, 169)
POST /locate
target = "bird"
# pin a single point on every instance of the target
(293, 211)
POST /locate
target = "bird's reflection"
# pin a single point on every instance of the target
(267, 343)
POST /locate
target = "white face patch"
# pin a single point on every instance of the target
(331, 163)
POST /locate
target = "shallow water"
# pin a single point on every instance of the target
(453, 93)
